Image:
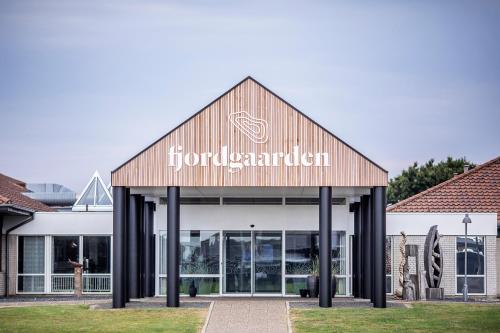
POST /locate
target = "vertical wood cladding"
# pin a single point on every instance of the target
(211, 129)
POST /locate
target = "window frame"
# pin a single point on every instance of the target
(44, 274)
(483, 276)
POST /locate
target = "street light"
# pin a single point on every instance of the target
(466, 221)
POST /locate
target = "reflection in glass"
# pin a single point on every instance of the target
(205, 285)
(64, 248)
(475, 264)
(475, 285)
(31, 254)
(294, 284)
(268, 262)
(163, 253)
(475, 255)
(238, 265)
(199, 252)
(388, 265)
(96, 254)
(301, 248)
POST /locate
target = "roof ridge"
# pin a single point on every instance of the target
(438, 186)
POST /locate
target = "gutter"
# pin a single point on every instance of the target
(7, 263)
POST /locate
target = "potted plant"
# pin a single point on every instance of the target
(192, 289)
(313, 279)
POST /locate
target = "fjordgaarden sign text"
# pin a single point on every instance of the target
(235, 161)
(256, 130)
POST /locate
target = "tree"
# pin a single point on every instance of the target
(418, 178)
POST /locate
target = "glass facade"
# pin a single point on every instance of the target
(96, 254)
(199, 252)
(238, 262)
(199, 261)
(475, 264)
(31, 262)
(65, 248)
(252, 262)
(301, 249)
(388, 265)
(267, 265)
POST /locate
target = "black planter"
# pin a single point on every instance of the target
(303, 292)
(334, 286)
(192, 290)
(313, 286)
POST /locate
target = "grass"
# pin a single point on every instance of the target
(420, 318)
(78, 318)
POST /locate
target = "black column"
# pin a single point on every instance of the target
(372, 243)
(148, 288)
(379, 204)
(133, 235)
(356, 252)
(127, 252)
(325, 246)
(119, 225)
(140, 247)
(366, 240)
(173, 241)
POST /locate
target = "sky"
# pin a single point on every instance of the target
(84, 85)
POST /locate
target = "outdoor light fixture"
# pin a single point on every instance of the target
(466, 221)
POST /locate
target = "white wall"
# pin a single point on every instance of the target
(213, 217)
(68, 223)
(272, 217)
(483, 224)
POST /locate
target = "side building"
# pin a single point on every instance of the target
(475, 192)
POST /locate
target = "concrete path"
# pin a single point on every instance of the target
(244, 315)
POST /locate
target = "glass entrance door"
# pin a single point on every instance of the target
(267, 262)
(238, 262)
(252, 262)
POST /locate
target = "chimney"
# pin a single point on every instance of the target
(466, 168)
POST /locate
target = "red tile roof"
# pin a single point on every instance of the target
(11, 192)
(477, 190)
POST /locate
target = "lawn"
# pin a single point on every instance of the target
(79, 318)
(420, 318)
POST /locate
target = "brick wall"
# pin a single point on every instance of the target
(448, 247)
(2, 268)
(12, 264)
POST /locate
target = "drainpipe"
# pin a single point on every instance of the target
(7, 264)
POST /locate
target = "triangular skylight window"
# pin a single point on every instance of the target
(95, 196)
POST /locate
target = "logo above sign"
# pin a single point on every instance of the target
(253, 128)
(256, 130)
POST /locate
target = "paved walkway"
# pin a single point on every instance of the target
(244, 315)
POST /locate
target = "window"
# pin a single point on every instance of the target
(388, 265)
(30, 266)
(199, 252)
(475, 264)
(312, 201)
(162, 280)
(65, 248)
(252, 201)
(96, 254)
(301, 248)
(199, 261)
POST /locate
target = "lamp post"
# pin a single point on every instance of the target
(466, 221)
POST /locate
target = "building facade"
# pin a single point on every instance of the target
(254, 194)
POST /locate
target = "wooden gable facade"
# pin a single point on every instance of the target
(249, 137)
